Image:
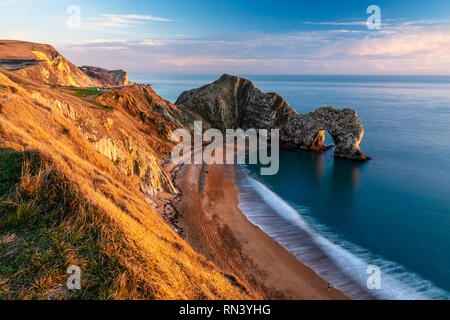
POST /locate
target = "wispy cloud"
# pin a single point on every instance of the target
(133, 18)
(429, 43)
(421, 22)
(8, 2)
(336, 23)
(400, 49)
(386, 22)
(112, 23)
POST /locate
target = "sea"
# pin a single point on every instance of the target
(374, 230)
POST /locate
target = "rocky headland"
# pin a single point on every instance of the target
(113, 78)
(232, 102)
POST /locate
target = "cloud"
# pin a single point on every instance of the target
(429, 43)
(8, 2)
(386, 23)
(403, 49)
(336, 23)
(107, 22)
(423, 22)
(132, 18)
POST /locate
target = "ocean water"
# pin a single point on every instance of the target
(338, 216)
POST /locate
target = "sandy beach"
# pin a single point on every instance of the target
(206, 214)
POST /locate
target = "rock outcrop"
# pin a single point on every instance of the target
(232, 102)
(112, 78)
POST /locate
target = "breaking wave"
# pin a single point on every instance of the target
(339, 262)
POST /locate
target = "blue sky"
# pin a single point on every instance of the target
(284, 37)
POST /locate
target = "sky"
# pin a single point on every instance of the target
(241, 37)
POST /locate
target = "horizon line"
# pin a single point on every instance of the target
(291, 74)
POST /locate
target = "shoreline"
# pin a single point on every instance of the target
(214, 226)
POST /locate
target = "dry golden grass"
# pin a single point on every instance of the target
(92, 216)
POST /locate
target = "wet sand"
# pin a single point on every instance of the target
(208, 217)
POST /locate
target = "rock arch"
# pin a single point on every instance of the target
(231, 102)
(344, 127)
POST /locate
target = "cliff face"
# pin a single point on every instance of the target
(155, 117)
(42, 63)
(113, 78)
(110, 131)
(232, 102)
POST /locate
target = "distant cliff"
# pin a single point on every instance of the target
(113, 78)
(42, 63)
(232, 102)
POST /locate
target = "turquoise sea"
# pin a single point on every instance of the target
(339, 217)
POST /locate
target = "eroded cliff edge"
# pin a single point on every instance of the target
(44, 64)
(107, 77)
(232, 102)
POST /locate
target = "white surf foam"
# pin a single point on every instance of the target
(345, 265)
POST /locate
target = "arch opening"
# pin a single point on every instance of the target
(322, 141)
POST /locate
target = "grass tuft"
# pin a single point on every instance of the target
(46, 226)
